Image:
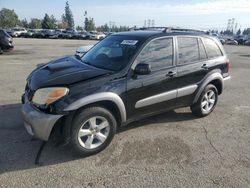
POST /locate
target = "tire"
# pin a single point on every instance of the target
(1, 51)
(206, 102)
(93, 139)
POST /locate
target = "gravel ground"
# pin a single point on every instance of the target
(173, 149)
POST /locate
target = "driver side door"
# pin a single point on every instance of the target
(156, 91)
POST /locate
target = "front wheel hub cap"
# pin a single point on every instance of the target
(93, 132)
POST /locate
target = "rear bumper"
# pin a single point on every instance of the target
(37, 123)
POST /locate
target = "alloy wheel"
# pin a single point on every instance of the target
(93, 132)
(208, 101)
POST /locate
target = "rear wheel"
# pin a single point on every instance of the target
(92, 131)
(206, 102)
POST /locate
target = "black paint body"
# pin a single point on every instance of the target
(83, 80)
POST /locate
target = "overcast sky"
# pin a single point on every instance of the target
(199, 14)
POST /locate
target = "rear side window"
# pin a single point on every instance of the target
(158, 53)
(212, 48)
(188, 50)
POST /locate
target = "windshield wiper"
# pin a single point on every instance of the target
(86, 62)
(104, 68)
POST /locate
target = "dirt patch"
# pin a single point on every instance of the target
(157, 151)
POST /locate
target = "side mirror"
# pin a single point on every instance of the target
(142, 69)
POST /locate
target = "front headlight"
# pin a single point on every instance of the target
(49, 95)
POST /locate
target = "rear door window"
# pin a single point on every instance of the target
(212, 48)
(188, 50)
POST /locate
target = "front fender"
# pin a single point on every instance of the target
(98, 97)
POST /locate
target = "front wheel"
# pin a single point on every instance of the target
(92, 131)
(206, 102)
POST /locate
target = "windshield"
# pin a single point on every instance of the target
(112, 53)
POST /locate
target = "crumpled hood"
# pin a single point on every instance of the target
(63, 71)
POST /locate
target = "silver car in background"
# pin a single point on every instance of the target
(83, 50)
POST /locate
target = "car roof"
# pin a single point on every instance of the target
(145, 34)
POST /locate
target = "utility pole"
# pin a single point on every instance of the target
(149, 22)
(153, 23)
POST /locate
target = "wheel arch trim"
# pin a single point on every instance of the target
(210, 78)
(98, 97)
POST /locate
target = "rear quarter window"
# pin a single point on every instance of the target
(212, 48)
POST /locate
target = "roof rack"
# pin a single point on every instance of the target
(172, 29)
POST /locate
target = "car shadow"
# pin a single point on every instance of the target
(19, 151)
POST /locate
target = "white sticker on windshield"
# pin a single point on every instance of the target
(129, 42)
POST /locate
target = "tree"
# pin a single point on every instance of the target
(103, 28)
(49, 22)
(24, 23)
(228, 32)
(8, 18)
(89, 24)
(238, 32)
(79, 28)
(35, 23)
(113, 28)
(68, 16)
(246, 31)
(63, 24)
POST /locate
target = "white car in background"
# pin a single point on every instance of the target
(231, 42)
(18, 31)
(83, 50)
(96, 35)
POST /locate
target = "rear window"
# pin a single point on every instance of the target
(212, 48)
(188, 50)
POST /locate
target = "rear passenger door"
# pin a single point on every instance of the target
(191, 67)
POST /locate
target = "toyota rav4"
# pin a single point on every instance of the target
(125, 77)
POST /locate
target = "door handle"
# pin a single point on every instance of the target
(170, 74)
(204, 66)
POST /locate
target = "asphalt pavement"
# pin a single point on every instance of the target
(174, 149)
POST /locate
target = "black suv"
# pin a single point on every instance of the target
(5, 41)
(125, 77)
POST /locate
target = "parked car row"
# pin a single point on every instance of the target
(56, 34)
(233, 40)
(238, 40)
